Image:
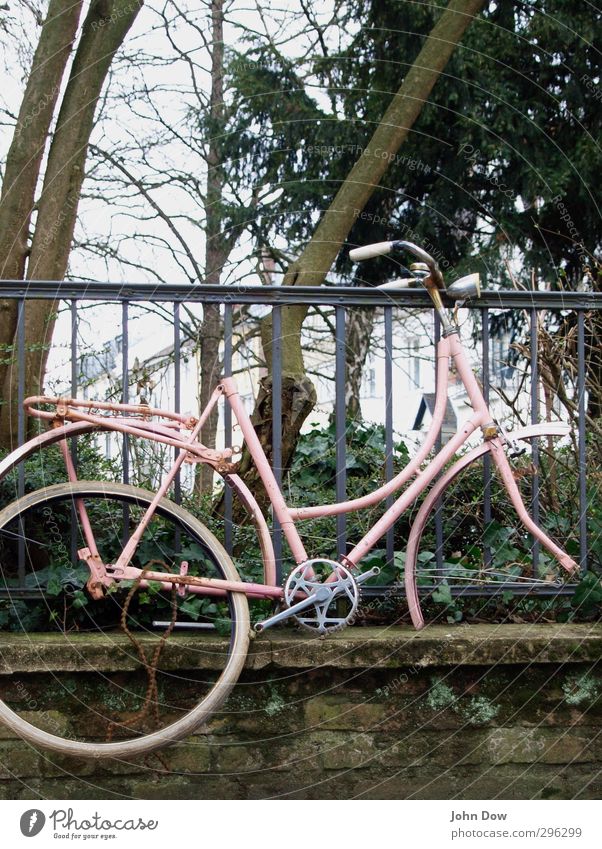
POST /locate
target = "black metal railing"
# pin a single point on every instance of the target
(339, 299)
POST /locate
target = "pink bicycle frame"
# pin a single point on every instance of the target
(135, 421)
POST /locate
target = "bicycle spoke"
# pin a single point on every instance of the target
(4, 532)
(473, 579)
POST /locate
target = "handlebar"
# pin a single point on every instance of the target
(370, 251)
(398, 245)
(402, 283)
(463, 289)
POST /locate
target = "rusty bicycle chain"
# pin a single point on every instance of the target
(151, 698)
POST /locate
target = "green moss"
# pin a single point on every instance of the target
(242, 704)
(60, 687)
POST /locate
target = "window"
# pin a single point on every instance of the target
(415, 366)
(371, 383)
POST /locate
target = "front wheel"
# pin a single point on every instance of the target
(485, 550)
(83, 707)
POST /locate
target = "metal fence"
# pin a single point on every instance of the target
(339, 299)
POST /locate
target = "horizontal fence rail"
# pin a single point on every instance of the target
(72, 294)
(270, 295)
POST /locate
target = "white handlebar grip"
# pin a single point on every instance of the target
(368, 251)
(402, 283)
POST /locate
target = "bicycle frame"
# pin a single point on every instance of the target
(449, 350)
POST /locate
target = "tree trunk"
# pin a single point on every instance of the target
(215, 254)
(358, 334)
(210, 373)
(313, 264)
(298, 400)
(25, 155)
(104, 29)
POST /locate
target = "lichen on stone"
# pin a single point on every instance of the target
(478, 710)
(275, 703)
(440, 696)
(580, 688)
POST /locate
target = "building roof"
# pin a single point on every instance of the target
(450, 420)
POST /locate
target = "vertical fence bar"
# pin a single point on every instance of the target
(339, 427)
(277, 425)
(21, 432)
(486, 457)
(73, 446)
(177, 400)
(228, 424)
(125, 382)
(125, 396)
(390, 538)
(439, 506)
(583, 552)
(177, 386)
(535, 445)
(74, 374)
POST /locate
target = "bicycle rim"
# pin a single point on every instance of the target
(80, 716)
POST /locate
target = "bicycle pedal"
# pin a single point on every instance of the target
(185, 626)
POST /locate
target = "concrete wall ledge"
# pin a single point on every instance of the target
(390, 647)
(460, 712)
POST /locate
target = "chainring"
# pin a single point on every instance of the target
(338, 591)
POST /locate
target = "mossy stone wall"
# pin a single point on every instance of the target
(459, 712)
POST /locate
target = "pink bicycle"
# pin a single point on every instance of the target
(126, 534)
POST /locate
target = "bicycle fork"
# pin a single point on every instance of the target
(505, 471)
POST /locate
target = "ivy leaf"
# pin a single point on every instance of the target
(192, 607)
(442, 595)
(54, 586)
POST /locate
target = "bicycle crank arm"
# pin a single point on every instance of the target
(365, 576)
(292, 611)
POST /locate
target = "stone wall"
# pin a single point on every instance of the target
(509, 711)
